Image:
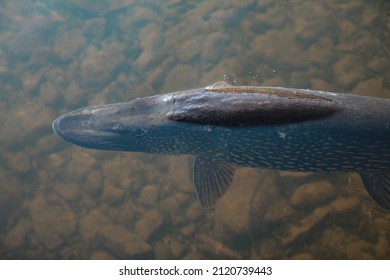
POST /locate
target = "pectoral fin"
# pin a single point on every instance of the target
(211, 179)
(378, 186)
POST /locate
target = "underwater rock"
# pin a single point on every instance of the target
(122, 214)
(94, 183)
(244, 4)
(187, 75)
(223, 16)
(299, 80)
(188, 49)
(16, 237)
(270, 47)
(303, 256)
(271, 18)
(139, 15)
(123, 172)
(94, 28)
(11, 197)
(101, 255)
(161, 250)
(147, 57)
(269, 249)
(80, 165)
(294, 175)
(149, 195)
(333, 239)
(123, 243)
(188, 230)
(382, 248)
(313, 22)
(100, 66)
(240, 212)
(320, 53)
(309, 30)
(180, 174)
(319, 83)
(19, 129)
(349, 70)
(149, 224)
(169, 248)
(68, 43)
(174, 206)
(68, 191)
(48, 93)
(195, 254)
(345, 206)
(53, 224)
(73, 94)
(369, 87)
(278, 212)
(20, 162)
(369, 16)
(359, 250)
(150, 42)
(232, 211)
(305, 226)
(382, 224)
(215, 72)
(288, 178)
(92, 223)
(195, 212)
(33, 35)
(312, 195)
(112, 195)
(40, 57)
(378, 64)
(214, 248)
(214, 45)
(177, 248)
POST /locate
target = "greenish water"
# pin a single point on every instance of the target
(59, 201)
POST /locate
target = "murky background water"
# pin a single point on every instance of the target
(59, 201)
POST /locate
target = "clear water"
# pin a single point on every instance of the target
(59, 201)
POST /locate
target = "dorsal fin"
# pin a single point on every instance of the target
(220, 84)
(246, 106)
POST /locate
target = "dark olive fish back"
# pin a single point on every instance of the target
(249, 106)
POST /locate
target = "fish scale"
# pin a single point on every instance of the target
(318, 154)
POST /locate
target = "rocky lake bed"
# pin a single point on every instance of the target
(59, 201)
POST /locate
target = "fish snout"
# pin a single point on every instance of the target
(71, 126)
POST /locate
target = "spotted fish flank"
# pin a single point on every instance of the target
(266, 127)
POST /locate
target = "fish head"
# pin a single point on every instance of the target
(140, 125)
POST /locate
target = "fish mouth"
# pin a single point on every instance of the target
(56, 126)
(70, 127)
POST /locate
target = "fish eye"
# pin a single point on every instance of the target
(138, 132)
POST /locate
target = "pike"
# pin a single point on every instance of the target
(225, 126)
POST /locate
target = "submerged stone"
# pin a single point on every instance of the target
(312, 195)
(149, 224)
(123, 243)
(53, 224)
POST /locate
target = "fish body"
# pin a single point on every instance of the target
(226, 126)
